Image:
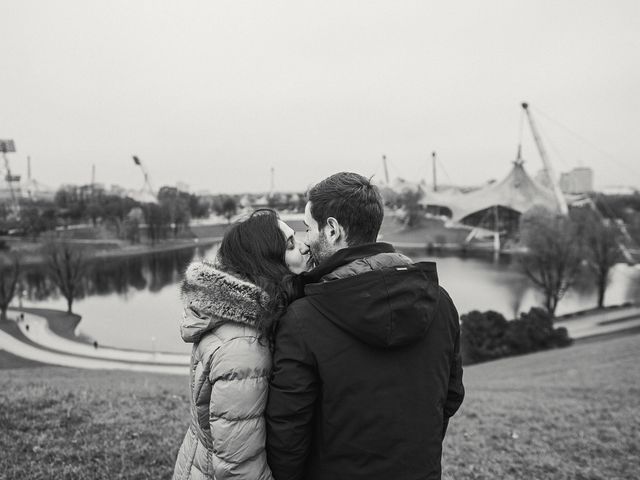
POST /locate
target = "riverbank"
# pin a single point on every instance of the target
(103, 249)
(50, 336)
(47, 337)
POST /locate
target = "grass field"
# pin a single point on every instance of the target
(566, 414)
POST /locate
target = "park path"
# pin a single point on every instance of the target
(21, 349)
(596, 323)
(40, 333)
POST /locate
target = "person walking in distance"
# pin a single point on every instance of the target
(366, 368)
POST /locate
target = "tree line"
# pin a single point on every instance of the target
(121, 216)
(559, 248)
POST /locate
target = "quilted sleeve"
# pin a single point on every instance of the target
(239, 376)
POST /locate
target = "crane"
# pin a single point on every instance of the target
(562, 203)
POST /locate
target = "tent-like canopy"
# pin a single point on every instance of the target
(518, 191)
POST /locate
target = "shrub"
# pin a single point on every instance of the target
(482, 336)
(488, 335)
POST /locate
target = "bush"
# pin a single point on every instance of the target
(488, 335)
(534, 331)
(482, 336)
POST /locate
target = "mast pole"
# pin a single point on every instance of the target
(272, 184)
(433, 163)
(386, 170)
(562, 204)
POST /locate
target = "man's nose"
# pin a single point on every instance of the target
(303, 248)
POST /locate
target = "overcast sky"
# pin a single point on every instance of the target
(214, 93)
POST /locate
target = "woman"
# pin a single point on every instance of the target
(230, 310)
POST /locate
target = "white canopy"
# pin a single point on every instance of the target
(518, 191)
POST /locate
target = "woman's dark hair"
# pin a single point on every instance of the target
(254, 249)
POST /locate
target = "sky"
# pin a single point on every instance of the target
(216, 93)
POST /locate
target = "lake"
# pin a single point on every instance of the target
(134, 302)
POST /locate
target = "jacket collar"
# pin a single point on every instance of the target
(212, 296)
(344, 256)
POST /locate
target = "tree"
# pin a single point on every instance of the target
(601, 241)
(553, 255)
(176, 205)
(33, 222)
(409, 199)
(197, 206)
(9, 274)
(158, 221)
(67, 267)
(229, 207)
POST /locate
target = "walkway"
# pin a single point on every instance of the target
(40, 333)
(53, 349)
(601, 322)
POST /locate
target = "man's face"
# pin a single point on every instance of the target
(319, 247)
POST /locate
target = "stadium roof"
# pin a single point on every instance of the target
(518, 191)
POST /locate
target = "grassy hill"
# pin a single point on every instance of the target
(563, 414)
(571, 413)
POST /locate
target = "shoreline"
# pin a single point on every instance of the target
(36, 259)
(46, 337)
(64, 325)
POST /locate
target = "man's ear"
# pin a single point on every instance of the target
(334, 232)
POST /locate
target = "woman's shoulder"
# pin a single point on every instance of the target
(232, 344)
(228, 333)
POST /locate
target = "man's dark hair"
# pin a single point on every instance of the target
(353, 201)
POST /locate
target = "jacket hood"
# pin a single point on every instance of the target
(212, 297)
(389, 303)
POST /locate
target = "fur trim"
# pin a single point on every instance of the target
(220, 295)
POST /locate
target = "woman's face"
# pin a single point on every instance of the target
(296, 253)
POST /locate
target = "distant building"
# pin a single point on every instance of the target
(619, 190)
(578, 180)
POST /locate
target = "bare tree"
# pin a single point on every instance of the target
(410, 200)
(67, 267)
(9, 274)
(553, 255)
(229, 207)
(601, 240)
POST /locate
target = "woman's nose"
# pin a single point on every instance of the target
(303, 248)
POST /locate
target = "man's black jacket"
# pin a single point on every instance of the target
(367, 372)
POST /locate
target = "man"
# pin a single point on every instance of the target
(367, 367)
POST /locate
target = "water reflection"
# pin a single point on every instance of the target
(109, 276)
(127, 301)
(476, 279)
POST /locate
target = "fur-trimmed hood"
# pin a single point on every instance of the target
(212, 297)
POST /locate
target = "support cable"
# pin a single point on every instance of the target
(587, 142)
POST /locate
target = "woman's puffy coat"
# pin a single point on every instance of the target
(230, 370)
